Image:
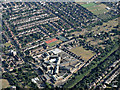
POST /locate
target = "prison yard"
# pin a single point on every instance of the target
(59, 45)
(85, 54)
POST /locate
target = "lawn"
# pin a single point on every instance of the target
(95, 8)
(62, 38)
(5, 83)
(80, 2)
(88, 5)
(80, 51)
(7, 44)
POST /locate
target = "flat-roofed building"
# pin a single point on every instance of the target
(56, 51)
(65, 64)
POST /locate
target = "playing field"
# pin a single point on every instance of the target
(4, 83)
(95, 8)
(88, 5)
(80, 51)
(62, 38)
(54, 43)
(50, 41)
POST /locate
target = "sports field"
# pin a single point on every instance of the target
(50, 41)
(95, 8)
(80, 51)
(54, 43)
(62, 38)
(88, 5)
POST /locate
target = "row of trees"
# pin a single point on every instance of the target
(86, 70)
(101, 68)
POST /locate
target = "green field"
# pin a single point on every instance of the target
(7, 44)
(106, 27)
(88, 5)
(80, 51)
(96, 9)
(54, 43)
(62, 38)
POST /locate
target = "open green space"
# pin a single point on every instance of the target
(80, 51)
(108, 26)
(7, 44)
(62, 38)
(95, 8)
(88, 5)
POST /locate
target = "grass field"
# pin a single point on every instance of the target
(5, 83)
(62, 38)
(106, 26)
(80, 51)
(81, 3)
(104, 16)
(7, 44)
(95, 8)
(76, 33)
(54, 43)
(88, 5)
